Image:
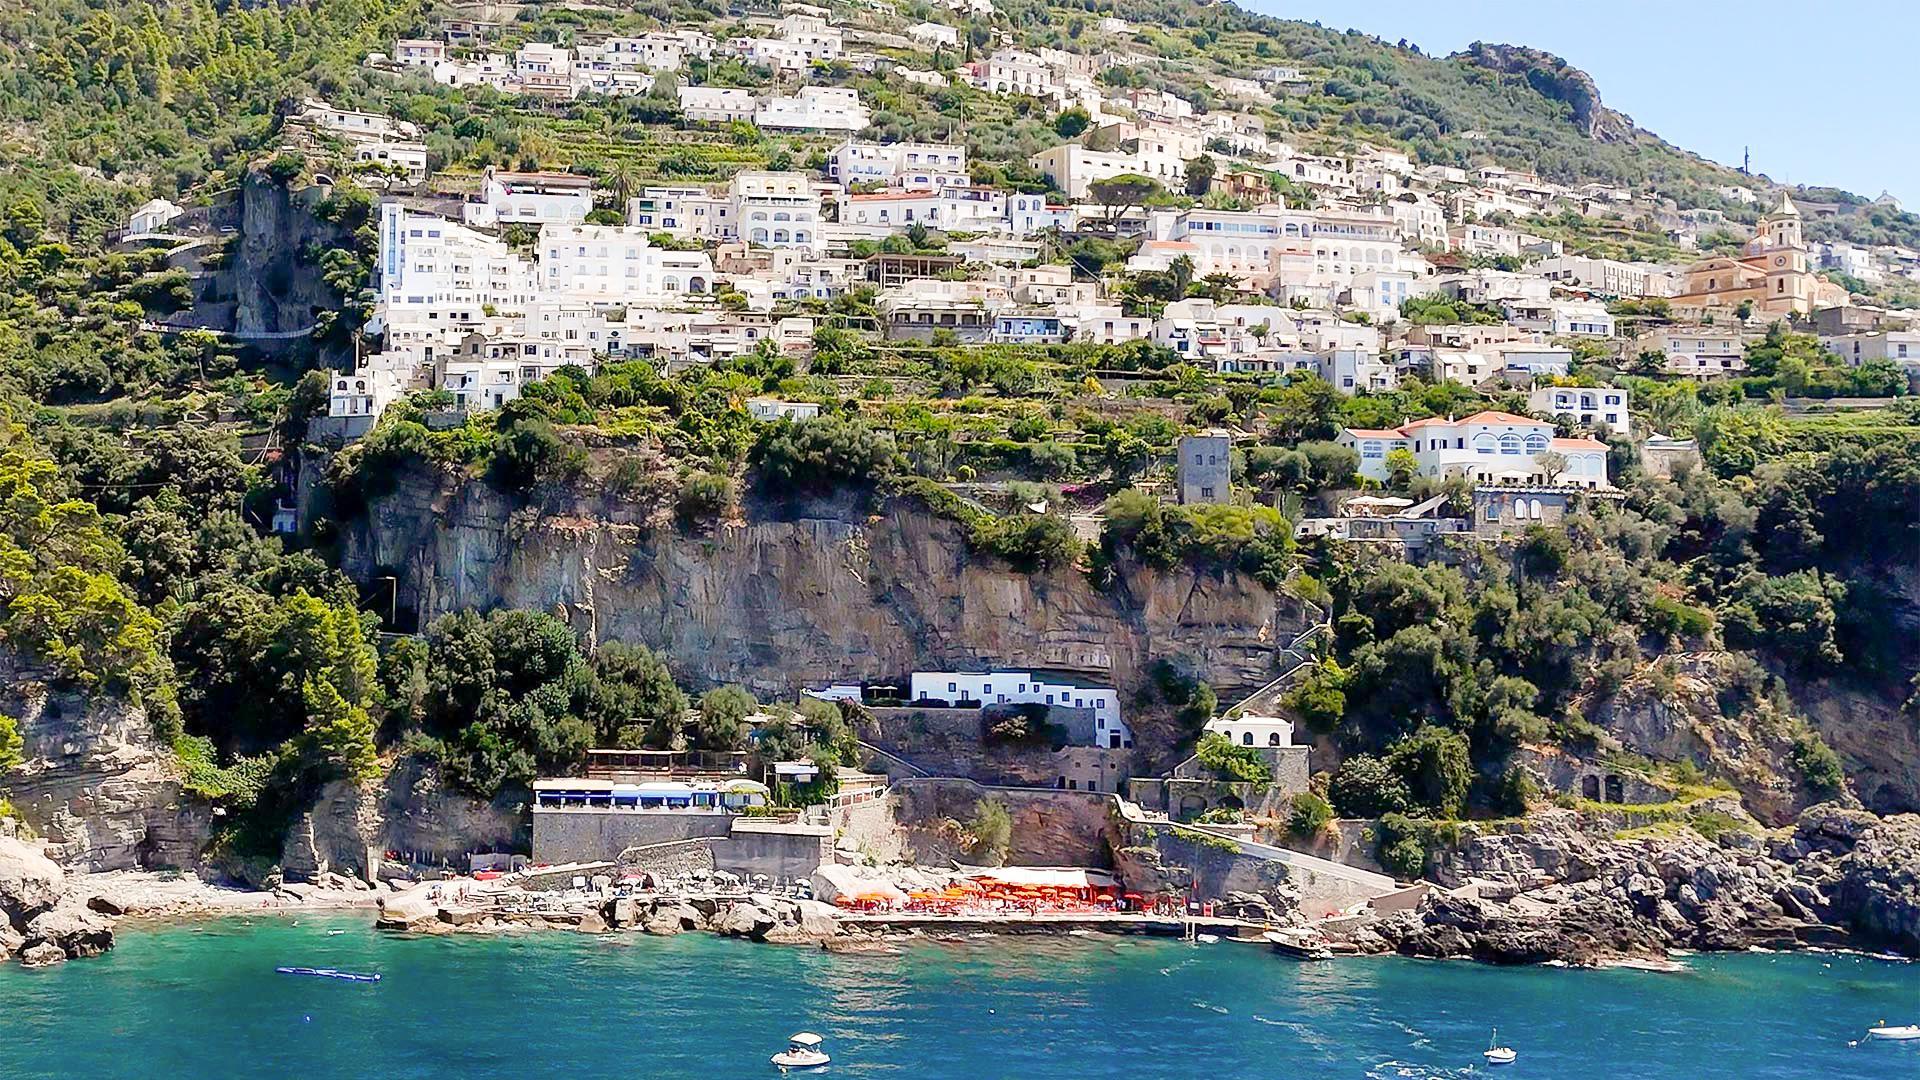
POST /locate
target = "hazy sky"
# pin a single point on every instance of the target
(1824, 92)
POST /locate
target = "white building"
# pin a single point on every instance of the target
(1900, 346)
(1578, 318)
(530, 199)
(717, 104)
(153, 216)
(1487, 447)
(814, 108)
(419, 52)
(773, 209)
(617, 264)
(352, 124)
(1701, 352)
(544, 69)
(1011, 71)
(934, 35)
(1606, 277)
(765, 408)
(1588, 405)
(410, 158)
(1249, 730)
(435, 273)
(913, 166)
(1026, 688)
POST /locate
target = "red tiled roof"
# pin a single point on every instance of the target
(1376, 433)
(1576, 444)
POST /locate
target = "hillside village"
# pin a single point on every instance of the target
(1033, 436)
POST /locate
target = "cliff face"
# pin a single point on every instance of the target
(275, 286)
(774, 604)
(93, 780)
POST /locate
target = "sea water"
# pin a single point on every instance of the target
(203, 1001)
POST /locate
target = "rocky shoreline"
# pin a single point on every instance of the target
(1548, 892)
(1839, 877)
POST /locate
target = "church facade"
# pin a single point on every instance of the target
(1772, 272)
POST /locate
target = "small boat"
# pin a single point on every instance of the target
(1207, 939)
(802, 1052)
(335, 933)
(1297, 945)
(1894, 1033)
(1497, 1054)
(330, 973)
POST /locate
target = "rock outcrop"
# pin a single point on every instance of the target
(93, 780)
(1555, 79)
(1555, 892)
(829, 592)
(39, 921)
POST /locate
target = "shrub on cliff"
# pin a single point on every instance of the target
(1366, 787)
(990, 832)
(1231, 762)
(1027, 541)
(1308, 815)
(703, 495)
(823, 455)
(1398, 848)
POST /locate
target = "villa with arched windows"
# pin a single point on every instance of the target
(1488, 447)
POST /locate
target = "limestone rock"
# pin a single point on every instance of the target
(407, 910)
(30, 883)
(818, 920)
(744, 920)
(41, 954)
(592, 923)
(71, 928)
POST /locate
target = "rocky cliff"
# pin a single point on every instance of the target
(273, 277)
(1557, 80)
(1554, 890)
(94, 781)
(829, 593)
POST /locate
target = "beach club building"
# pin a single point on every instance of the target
(1488, 447)
(1026, 688)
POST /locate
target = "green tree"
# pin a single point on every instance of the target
(992, 832)
(723, 714)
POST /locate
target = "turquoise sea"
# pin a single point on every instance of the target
(204, 1002)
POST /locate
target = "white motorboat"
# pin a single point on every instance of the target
(802, 1052)
(1894, 1033)
(1497, 1054)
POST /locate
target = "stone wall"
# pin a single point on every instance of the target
(867, 833)
(948, 742)
(674, 858)
(1050, 827)
(773, 848)
(579, 835)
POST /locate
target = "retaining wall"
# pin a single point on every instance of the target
(584, 835)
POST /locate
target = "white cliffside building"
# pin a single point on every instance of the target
(1027, 688)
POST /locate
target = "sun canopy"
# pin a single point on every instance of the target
(1046, 877)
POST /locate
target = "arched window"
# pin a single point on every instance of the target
(759, 235)
(1510, 444)
(696, 285)
(1273, 738)
(1484, 443)
(671, 285)
(1536, 443)
(782, 215)
(779, 236)
(1533, 509)
(1246, 738)
(800, 236)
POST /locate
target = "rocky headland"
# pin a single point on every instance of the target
(1554, 893)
